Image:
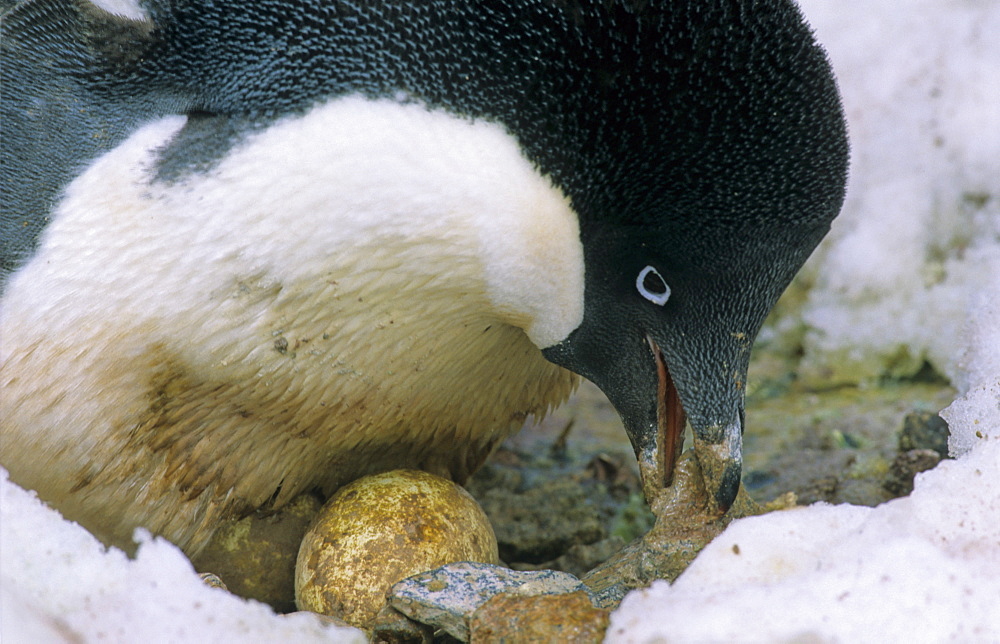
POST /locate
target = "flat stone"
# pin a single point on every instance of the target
(392, 627)
(569, 617)
(446, 597)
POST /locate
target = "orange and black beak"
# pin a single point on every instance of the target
(658, 464)
(656, 400)
(718, 447)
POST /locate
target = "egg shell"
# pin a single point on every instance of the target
(383, 528)
(255, 556)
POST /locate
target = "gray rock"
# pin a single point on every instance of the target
(924, 430)
(447, 596)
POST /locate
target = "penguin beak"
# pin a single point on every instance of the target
(631, 374)
(717, 448)
(661, 456)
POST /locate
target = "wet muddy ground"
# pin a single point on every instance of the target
(565, 493)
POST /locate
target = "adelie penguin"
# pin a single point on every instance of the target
(251, 248)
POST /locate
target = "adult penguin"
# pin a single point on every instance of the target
(257, 246)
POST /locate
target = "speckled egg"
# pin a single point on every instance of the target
(381, 529)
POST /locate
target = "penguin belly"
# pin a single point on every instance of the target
(181, 353)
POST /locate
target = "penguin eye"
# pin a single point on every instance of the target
(652, 286)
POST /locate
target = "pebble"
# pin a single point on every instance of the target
(392, 627)
(924, 430)
(255, 556)
(446, 597)
(380, 529)
(567, 617)
(212, 580)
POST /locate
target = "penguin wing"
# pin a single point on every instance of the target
(65, 101)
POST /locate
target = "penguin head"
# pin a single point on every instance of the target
(670, 315)
(720, 165)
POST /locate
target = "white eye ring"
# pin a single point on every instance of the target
(656, 298)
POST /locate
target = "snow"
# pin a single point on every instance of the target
(59, 584)
(921, 568)
(918, 236)
(911, 272)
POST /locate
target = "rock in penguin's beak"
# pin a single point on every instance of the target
(718, 448)
(655, 401)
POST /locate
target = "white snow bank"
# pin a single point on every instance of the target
(923, 568)
(59, 584)
(920, 230)
(977, 410)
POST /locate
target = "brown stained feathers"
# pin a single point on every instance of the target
(176, 439)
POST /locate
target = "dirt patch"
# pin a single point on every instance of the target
(565, 493)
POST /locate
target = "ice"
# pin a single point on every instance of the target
(58, 583)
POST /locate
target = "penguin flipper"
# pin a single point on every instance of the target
(62, 62)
